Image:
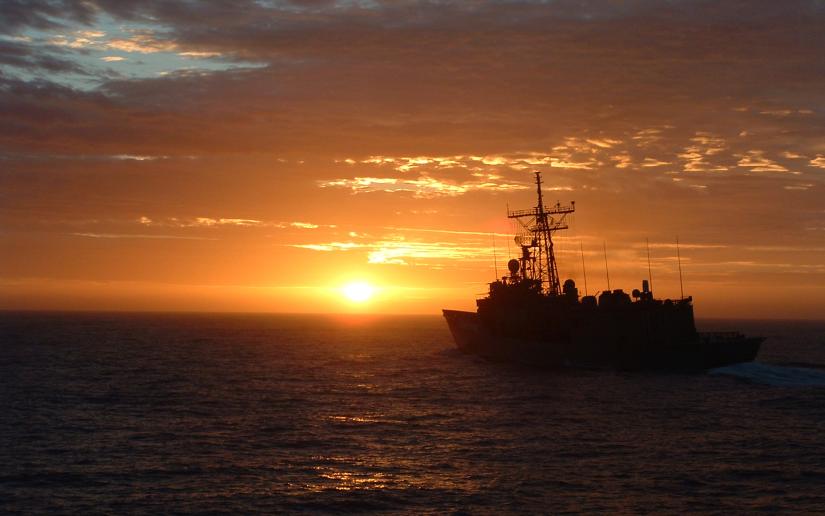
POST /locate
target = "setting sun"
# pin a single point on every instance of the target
(358, 292)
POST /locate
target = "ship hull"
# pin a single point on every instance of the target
(584, 349)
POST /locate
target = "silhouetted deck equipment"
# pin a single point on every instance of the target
(528, 317)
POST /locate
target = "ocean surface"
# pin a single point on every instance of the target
(166, 413)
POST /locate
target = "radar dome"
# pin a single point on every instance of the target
(513, 266)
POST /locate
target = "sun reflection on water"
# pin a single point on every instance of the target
(349, 481)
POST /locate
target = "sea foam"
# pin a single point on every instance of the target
(776, 375)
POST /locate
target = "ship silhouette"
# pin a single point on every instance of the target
(529, 317)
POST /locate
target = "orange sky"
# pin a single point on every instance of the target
(260, 157)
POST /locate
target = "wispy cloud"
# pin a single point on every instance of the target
(208, 222)
(818, 161)
(139, 236)
(401, 251)
(423, 186)
(698, 155)
(215, 222)
(142, 42)
(448, 231)
(756, 161)
(329, 246)
(198, 222)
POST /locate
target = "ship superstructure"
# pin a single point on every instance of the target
(528, 316)
(538, 260)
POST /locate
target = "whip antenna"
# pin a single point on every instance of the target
(495, 261)
(679, 259)
(584, 271)
(649, 274)
(606, 270)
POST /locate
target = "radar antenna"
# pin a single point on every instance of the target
(540, 223)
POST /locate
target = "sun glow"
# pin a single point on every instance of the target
(358, 292)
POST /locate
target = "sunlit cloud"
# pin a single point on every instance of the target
(622, 160)
(142, 42)
(818, 161)
(136, 157)
(776, 112)
(400, 251)
(647, 137)
(199, 222)
(786, 248)
(423, 186)
(449, 231)
(652, 162)
(91, 33)
(604, 143)
(703, 146)
(198, 54)
(785, 112)
(330, 246)
(302, 225)
(561, 157)
(78, 39)
(138, 236)
(206, 221)
(112, 59)
(756, 161)
(672, 245)
(213, 222)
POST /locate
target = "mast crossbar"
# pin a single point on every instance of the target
(541, 224)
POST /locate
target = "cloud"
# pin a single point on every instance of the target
(448, 231)
(562, 156)
(412, 77)
(400, 251)
(208, 222)
(330, 246)
(652, 162)
(603, 143)
(196, 222)
(699, 154)
(818, 161)
(138, 236)
(199, 54)
(135, 157)
(431, 105)
(215, 222)
(756, 161)
(32, 58)
(142, 42)
(423, 186)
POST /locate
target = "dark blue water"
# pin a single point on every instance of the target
(196, 413)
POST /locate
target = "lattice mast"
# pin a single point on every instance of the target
(538, 261)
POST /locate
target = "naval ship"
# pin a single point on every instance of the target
(529, 317)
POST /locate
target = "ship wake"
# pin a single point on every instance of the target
(775, 375)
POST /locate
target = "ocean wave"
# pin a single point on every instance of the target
(775, 375)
